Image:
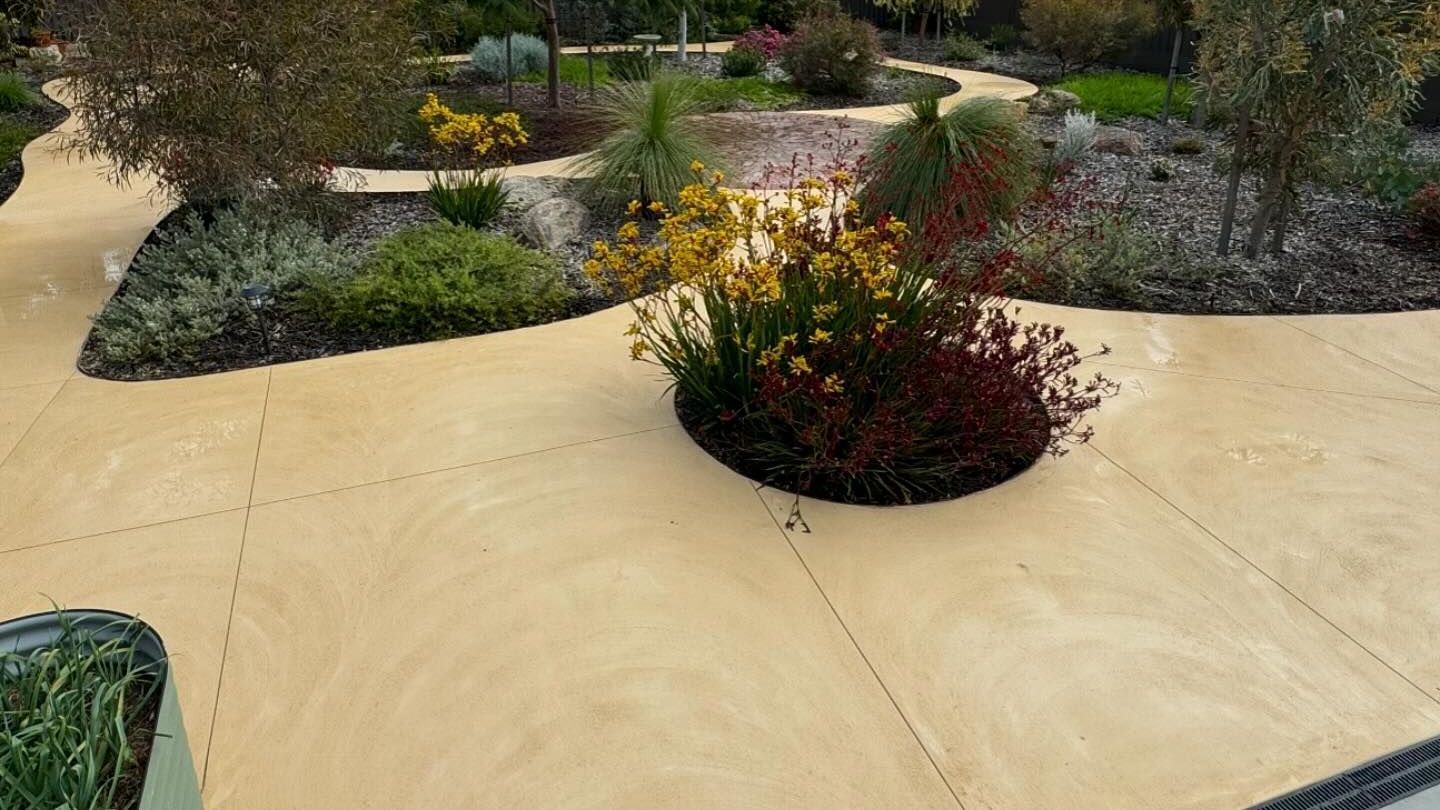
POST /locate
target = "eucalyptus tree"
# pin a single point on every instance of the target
(1304, 81)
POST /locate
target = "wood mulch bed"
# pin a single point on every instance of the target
(1344, 253)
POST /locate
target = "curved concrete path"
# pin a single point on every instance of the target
(972, 85)
(494, 572)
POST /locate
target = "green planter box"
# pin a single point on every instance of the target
(170, 782)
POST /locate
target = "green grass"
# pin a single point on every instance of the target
(13, 137)
(573, 71)
(753, 92)
(15, 94)
(1112, 96)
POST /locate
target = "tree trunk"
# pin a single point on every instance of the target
(552, 37)
(704, 30)
(682, 38)
(1174, 70)
(1232, 193)
(1282, 226)
(509, 70)
(924, 25)
(1272, 200)
(590, 67)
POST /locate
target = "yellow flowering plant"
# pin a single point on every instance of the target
(472, 137)
(812, 350)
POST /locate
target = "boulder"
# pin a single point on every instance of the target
(1053, 101)
(48, 55)
(1119, 141)
(526, 192)
(551, 223)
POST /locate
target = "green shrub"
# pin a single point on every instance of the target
(441, 280)
(832, 54)
(1104, 264)
(980, 141)
(1188, 145)
(742, 62)
(1385, 169)
(653, 139)
(183, 290)
(961, 47)
(1117, 95)
(786, 15)
(66, 715)
(1082, 32)
(473, 198)
(631, 66)
(1005, 37)
(528, 54)
(15, 94)
(1162, 170)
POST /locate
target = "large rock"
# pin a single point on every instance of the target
(1119, 141)
(1053, 101)
(554, 222)
(527, 192)
(49, 55)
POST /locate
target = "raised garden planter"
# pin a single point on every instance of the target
(170, 781)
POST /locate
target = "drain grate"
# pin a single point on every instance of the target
(1374, 784)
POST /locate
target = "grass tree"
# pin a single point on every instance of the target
(976, 156)
(1304, 80)
(654, 138)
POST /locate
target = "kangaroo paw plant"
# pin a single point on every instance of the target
(834, 356)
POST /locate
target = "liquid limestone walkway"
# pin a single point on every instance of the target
(494, 572)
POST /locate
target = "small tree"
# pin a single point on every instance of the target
(1304, 80)
(222, 99)
(1081, 32)
(1174, 15)
(954, 9)
(551, 19)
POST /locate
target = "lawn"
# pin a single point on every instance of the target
(752, 92)
(573, 71)
(1113, 96)
(13, 137)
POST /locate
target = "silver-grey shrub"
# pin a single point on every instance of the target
(1078, 138)
(183, 290)
(528, 54)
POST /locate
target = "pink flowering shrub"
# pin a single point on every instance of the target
(764, 41)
